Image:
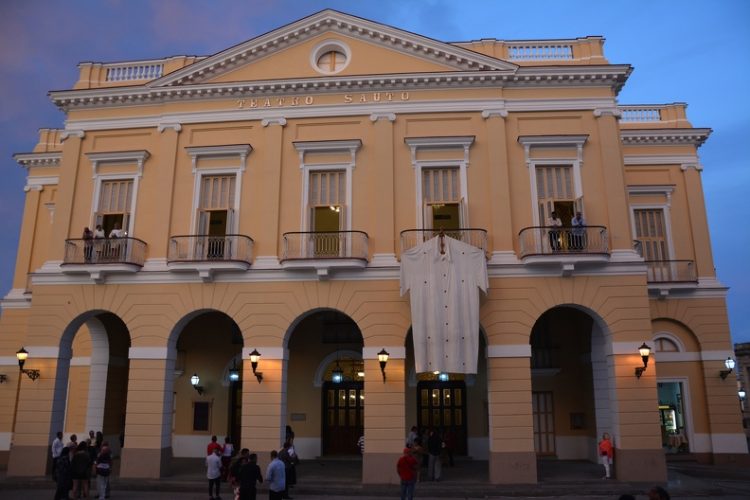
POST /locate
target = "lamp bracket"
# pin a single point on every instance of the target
(639, 371)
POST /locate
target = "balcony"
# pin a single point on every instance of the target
(206, 254)
(325, 250)
(671, 271)
(103, 256)
(471, 236)
(564, 245)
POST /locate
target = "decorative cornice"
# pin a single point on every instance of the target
(138, 157)
(500, 112)
(665, 136)
(632, 160)
(349, 145)
(613, 111)
(241, 150)
(694, 165)
(28, 160)
(445, 142)
(594, 76)
(38, 183)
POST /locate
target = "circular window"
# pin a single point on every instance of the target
(330, 57)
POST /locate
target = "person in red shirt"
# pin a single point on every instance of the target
(606, 453)
(407, 467)
(213, 445)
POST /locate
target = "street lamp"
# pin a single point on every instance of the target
(645, 352)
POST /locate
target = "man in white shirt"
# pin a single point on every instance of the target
(57, 448)
(213, 473)
(276, 477)
(554, 224)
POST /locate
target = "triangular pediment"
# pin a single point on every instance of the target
(363, 47)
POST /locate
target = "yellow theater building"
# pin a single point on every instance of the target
(297, 197)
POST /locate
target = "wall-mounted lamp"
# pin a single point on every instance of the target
(645, 352)
(742, 394)
(254, 357)
(337, 375)
(21, 355)
(443, 377)
(195, 380)
(383, 359)
(3, 378)
(729, 363)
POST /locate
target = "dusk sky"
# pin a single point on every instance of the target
(690, 51)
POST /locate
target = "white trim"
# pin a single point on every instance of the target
(6, 361)
(241, 150)
(672, 338)
(27, 160)
(38, 183)
(633, 160)
(174, 126)
(665, 137)
(36, 352)
(72, 132)
(5, 440)
(266, 352)
(676, 357)
(620, 348)
(729, 443)
(148, 353)
(391, 117)
(117, 158)
(717, 355)
(509, 351)
(334, 356)
(394, 352)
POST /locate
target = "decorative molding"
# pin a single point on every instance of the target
(277, 120)
(17, 298)
(394, 352)
(665, 136)
(241, 150)
(38, 183)
(439, 143)
(694, 165)
(349, 145)
(664, 189)
(633, 160)
(28, 160)
(610, 111)
(500, 112)
(148, 353)
(509, 351)
(174, 126)
(118, 157)
(329, 45)
(391, 117)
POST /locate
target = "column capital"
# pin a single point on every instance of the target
(174, 126)
(274, 120)
(391, 117)
(499, 112)
(696, 166)
(611, 111)
(72, 133)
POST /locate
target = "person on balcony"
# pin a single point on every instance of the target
(578, 233)
(116, 232)
(554, 223)
(88, 244)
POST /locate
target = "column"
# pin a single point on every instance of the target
(613, 176)
(385, 414)
(704, 262)
(31, 215)
(66, 194)
(264, 404)
(500, 190)
(269, 173)
(382, 175)
(512, 456)
(148, 424)
(157, 232)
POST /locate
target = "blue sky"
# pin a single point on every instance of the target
(682, 51)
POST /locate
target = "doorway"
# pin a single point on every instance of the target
(442, 405)
(543, 415)
(343, 417)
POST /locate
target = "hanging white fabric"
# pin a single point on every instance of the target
(444, 295)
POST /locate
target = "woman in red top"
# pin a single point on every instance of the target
(407, 470)
(606, 453)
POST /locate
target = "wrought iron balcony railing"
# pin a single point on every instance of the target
(205, 248)
(325, 245)
(549, 240)
(125, 250)
(671, 271)
(471, 236)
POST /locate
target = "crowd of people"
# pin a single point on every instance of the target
(75, 463)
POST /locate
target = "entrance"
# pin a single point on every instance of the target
(672, 417)
(544, 423)
(343, 417)
(442, 405)
(235, 412)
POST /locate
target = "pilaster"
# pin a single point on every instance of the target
(500, 191)
(157, 232)
(66, 195)
(382, 180)
(26, 239)
(704, 262)
(266, 241)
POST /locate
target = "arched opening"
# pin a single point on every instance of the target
(92, 379)
(209, 346)
(455, 404)
(325, 384)
(570, 385)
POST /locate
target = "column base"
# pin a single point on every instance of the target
(145, 463)
(380, 468)
(28, 460)
(643, 466)
(513, 467)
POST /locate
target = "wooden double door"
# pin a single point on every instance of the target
(442, 406)
(343, 417)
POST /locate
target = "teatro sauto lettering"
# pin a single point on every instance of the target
(388, 223)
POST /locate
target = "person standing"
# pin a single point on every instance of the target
(213, 473)
(407, 467)
(276, 477)
(606, 453)
(63, 473)
(411, 437)
(57, 449)
(103, 466)
(213, 445)
(226, 458)
(578, 236)
(554, 223)
(434, 449)
(289, 457)
(88, 244)
(249, 476)
(361, 444)
(81, 470)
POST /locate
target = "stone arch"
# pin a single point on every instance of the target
(678, 332)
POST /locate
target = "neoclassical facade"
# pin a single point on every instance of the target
(259, 200)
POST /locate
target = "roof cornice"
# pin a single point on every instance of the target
(612, 76)
(28, 160)
(665, 136)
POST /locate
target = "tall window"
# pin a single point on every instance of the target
(555, 189)
(115, 204)
(441, 197)
(327, 200)
(650, 230)
(216, 206)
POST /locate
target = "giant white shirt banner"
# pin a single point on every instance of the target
(444, 294)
